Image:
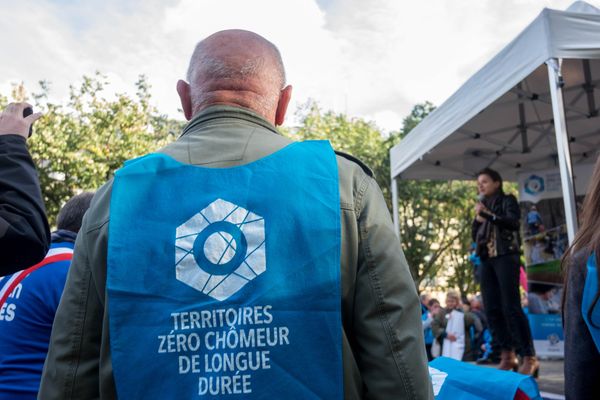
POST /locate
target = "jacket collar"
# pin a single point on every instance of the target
(63, 235)
(217, 112)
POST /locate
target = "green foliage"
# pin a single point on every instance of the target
(435, 217)
(355, 136)
(417, 114)
(435, 224)
(79, 145)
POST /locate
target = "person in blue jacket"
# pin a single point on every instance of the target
(427, 319)
(582, 356)
(27, 312)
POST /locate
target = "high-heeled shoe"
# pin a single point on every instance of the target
(508, 361)
(530, 366)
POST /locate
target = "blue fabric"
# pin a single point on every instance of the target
(487, 343)
(260, 317)
(427, 332)
(533, 217)
(25, 326)
(469, 382)
(590, 310)
(475, 259)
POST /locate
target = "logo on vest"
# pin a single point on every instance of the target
(220, 249)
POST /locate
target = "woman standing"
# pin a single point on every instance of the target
(496, 232)
(582, 355)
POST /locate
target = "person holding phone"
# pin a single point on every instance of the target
(24, 231)
(495, 231)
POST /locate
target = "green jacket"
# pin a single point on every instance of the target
(383, 350)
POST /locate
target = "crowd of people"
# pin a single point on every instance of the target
(459, 330)
(234, 226)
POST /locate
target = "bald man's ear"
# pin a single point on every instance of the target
(183, 89)
(284, 100)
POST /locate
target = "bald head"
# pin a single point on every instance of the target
(239, 68)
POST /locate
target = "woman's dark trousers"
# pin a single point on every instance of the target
(502, 304)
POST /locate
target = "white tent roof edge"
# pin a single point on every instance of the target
(510, 66)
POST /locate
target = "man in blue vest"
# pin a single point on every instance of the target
(237, 262)
(28, 302)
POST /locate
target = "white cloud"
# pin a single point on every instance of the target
(372, 59)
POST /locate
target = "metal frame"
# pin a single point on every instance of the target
(394, 185)
(529, 143)
(562, 144)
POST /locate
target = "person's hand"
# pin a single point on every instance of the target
(12, 121)
(451, 337)
(478, 208)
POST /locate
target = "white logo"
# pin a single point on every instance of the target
(437, 379)
(220, 249)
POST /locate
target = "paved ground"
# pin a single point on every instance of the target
(551, 377)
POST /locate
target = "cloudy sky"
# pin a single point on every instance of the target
(368, 58)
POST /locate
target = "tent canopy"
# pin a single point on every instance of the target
(502, 116)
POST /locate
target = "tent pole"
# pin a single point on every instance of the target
(562, 144)
(395, 207)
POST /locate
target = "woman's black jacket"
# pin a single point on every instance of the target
(505, 222)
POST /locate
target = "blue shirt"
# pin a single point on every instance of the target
(26, 323)
(533, 217)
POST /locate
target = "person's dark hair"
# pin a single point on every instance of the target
(432, 302)
(492, 174)
(588, 235)
(71, 214)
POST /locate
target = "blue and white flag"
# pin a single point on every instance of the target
(225, 283)
(457, 380)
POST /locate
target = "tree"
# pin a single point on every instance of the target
(435, 226)
(354, 136)
(79, 145)
(435, 222)
(434, 216)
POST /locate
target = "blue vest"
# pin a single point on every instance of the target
(226, 281)
(590, 310)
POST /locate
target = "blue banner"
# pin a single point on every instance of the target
(547, 334)
(226, 282)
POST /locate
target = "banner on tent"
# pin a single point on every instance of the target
(547, 333)
(540, 185)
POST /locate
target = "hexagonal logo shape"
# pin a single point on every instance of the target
(220, 249)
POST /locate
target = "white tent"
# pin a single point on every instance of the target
(533, 106)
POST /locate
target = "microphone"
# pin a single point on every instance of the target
(480, 197)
